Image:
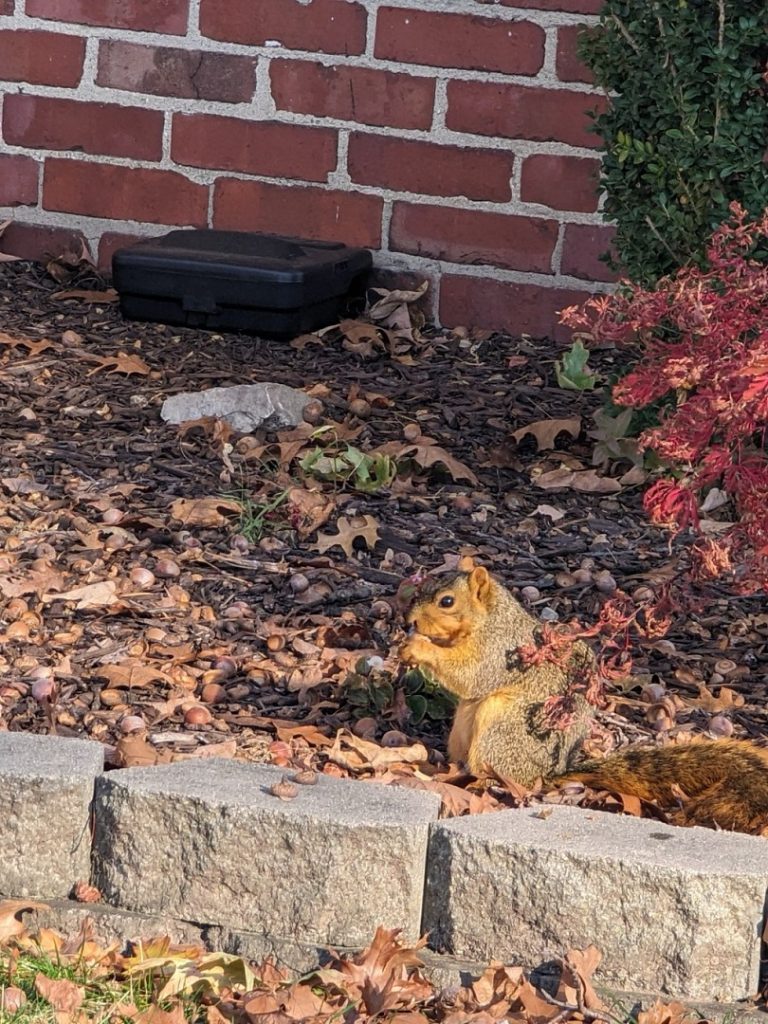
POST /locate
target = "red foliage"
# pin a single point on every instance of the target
(703, 341)
(620, 618)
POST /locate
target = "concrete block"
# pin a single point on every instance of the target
(673, 910)
(207, 842)
(110, 924)
(46, 788)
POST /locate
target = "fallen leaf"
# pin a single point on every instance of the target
(425, 452)
(313, 509)
(349, 530)
(64, 995)
(92, 595)
(546, 431)
(123, 362)
(586, 480)
(11, 923)
(352, 752)
(131, 673)
(204, 511)
(85, 295)
(555, 514)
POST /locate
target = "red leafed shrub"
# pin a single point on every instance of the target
(702, 338)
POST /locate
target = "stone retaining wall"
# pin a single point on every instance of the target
(203, 849)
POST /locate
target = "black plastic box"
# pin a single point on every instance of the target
(238, 281)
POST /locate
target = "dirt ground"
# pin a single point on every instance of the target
(165, 591)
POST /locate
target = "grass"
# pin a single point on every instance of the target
(103, 994)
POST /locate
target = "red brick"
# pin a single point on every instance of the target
(564, 6)
(306, 212)
(123, 193)
(324, 26)
(523, 112)
(37, 242)
(170, 71)
(41, 58)
(569, 67)
(583, 244)
(6, 6)
(380, 98)
(562, 182)
(43, 123)
(18, 180)
(504, 306)
(169, 16)
(459, 41)
(110, 242)
(430, 169)
(471, 236)
(254, 147)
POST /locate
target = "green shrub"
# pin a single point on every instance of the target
(687, 133)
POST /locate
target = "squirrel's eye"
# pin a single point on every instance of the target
(446, 602)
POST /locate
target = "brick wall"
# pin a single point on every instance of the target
(449, 135)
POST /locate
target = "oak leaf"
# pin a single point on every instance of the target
(350, 528)
(11, 923)
(204, 511)
(426, 452)
(585, 480)
(91, 595)
(123, 363)
(546, 432)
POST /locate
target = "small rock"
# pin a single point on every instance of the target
(245, 407)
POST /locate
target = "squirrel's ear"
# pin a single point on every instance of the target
(480, 583)
(466, 563)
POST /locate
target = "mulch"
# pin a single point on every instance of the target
(225, 629)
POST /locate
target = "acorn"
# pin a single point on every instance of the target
(198, 714)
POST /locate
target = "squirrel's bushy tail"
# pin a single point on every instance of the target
(719, 784)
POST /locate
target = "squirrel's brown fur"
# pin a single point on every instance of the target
(717, 783)
(470, 646)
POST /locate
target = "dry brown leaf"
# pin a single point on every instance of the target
(64, 995)
(131, 673)
(725, 699)
(92, 595)
(204, 511)
(11, 923)
(226, 748)
(123, 362)
(546, 432)
(154, 1015)
(360, 754)
(350, 528)
(361, 338)
(586, 480)
(582, 963)
(134, 751)
(105, 297)
(666, 1013)
(38, 581)
(425, 452)
(313, 508)
(454, 800)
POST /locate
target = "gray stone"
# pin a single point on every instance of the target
(46, 788)
(671, 909)
(245, 406)
(207, 842)
(296, 957)
(111, 924)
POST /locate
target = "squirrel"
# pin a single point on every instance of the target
(468, 629)
(716, 783)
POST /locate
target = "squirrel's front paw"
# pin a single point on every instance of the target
(416, 650)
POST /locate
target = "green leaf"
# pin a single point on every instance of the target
(572, 372)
